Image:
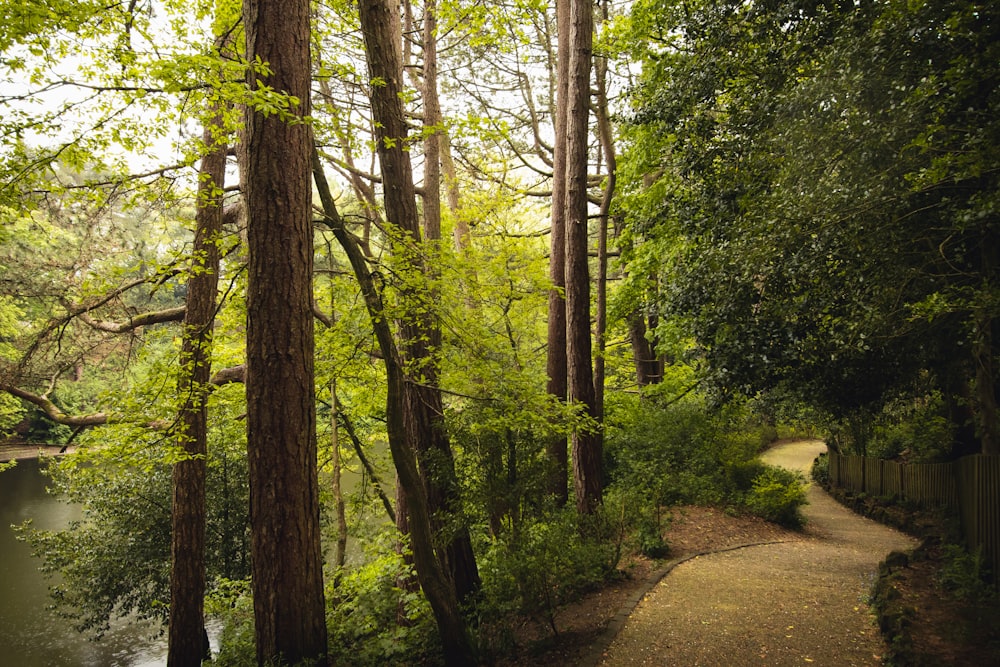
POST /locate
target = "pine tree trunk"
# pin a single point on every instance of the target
(643, 356)
(289, 611)
(555, 363)
(187, 639)
(587, 453)
(424, 412)
(610, 159)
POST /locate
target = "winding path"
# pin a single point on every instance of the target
(799, 602)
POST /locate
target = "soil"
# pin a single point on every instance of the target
(940, 628)
(11, 452)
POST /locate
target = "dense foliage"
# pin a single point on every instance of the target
(824, 186)
(686, 454)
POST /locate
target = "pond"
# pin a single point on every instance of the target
(30, 634)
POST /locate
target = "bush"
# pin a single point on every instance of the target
(965, 575)
(231, 603)
(820, 471)
(671, 455)
(372, 620)
(639, 524)
(683, 453)
(545, 564)
(742, 474)
(778, 495)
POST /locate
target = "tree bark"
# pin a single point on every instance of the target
(432, 127)
(187, 639)
(608, 148)
(586, 441)
(555, 362)
(289, 610)
(643, 356)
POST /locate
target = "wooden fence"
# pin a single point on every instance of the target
(970, 486)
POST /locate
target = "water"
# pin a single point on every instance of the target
(30, 634)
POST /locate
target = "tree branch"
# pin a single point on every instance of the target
(222, 377)
(133, 323)
(53, 412)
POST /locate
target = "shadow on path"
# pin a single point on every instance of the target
(799, 602)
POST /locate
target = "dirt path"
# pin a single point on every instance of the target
(797, 602)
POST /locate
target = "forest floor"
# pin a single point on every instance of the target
(936, 628)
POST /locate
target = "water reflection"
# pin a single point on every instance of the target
(30, 634)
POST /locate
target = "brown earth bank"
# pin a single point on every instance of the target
(19, 451)
(586, 626)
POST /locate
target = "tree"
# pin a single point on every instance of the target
(556, 342)
(415, 403)
(188, 640)
(431, 573)
(281, 421)
(580, 375)
(827, 207)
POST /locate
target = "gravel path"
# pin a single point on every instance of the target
(793, 603)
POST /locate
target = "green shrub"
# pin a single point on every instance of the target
(778, 495)
(741, 475)
(820, 471)
(231, 603)
(686, 454)
(546, 563)
(672, 455)
(650, 538)
(638, 524)
(372, 620)
(965, 575)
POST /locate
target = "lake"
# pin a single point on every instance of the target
(30, 634)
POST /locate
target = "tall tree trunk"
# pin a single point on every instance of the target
(432, 127)
(340, 510)
(437, 146)
(340, 555)
(586, 440)
(459, 557)
(424, 413)
(461, 233)
(603, 216)
(187, 639)
(555, 362)
(289, 611)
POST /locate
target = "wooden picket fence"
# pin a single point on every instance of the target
(970, 486)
